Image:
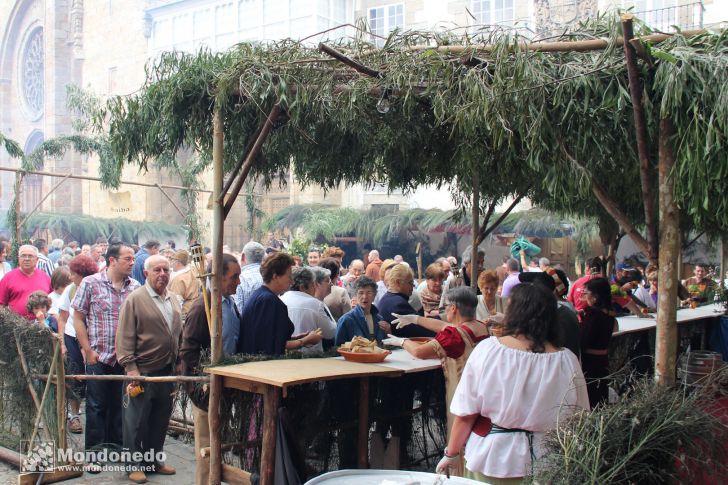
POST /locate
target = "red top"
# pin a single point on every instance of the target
(451, 340)
(576, 290)
(16, 286)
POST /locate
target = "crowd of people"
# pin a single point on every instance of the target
(524, 348)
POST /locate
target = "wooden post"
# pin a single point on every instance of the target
(363, 437)
(475, 231)
(271, 399)
(666, 340)
(61, 399)
(39, 416)
(18, 192)
(722, 277)
(216, 304)
(263, 133)
(610, 205)
(640, 125)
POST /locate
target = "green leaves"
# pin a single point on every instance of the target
(11, 146)
(506, 112)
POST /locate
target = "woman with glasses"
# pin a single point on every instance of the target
(363, 320)
(513, 390)
(431, 293)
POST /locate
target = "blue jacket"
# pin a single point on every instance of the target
(137, 271)
(354, 323)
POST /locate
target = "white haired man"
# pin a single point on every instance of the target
(250, 277)
(56, 250)
(147, 344)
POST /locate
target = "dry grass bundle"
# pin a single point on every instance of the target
(17, 409)
(646, 437)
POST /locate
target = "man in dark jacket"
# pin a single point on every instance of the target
(195, 342)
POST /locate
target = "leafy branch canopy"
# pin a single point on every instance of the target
(507, 111)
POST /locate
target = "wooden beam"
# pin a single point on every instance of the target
(61, 400)
(96, 179)
(218, 231)
(241, 162)
(640, 127)
(568, 46)
(115, 377)
(475, 229)
(609, 204)
(18, 192)
(363, 434)
(174, 204)
(10, 457)
(230, 474)
(265, 130)
(358, 67)
(49, 477)
(39, 416)
(271, 400)
(252, 387)
(39, 204)
(667, 275)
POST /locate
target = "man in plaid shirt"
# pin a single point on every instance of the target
(97, 305)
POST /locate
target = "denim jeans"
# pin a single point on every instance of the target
(103, 408)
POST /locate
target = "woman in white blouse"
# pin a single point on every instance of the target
(513, 390)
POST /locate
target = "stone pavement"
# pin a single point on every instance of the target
(179, 454)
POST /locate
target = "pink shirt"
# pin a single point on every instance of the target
(16, 286)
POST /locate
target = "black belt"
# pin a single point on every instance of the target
(495, 429)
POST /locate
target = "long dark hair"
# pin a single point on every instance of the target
(602, 291)
(531, 312)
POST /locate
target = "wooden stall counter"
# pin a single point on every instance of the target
(632, 323)
(271, 378)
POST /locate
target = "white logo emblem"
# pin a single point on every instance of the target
(40, 458)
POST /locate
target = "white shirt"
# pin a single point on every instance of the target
(643, 295)
(308, 313)
(55, 299)
(163, 303)
(64, 303)
(516, 389)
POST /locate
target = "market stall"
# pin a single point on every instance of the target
(273, 378)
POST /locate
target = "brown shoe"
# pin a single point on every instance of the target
(74, 425)
(165, 470)
(137, 477)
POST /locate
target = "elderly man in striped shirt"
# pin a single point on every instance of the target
(97, 305)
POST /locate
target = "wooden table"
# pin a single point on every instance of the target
(632, 323)
(272, 378)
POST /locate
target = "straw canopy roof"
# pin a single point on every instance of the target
(433, 108)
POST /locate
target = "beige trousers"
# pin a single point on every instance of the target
(202, 440)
